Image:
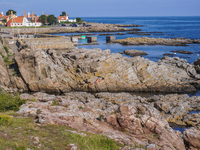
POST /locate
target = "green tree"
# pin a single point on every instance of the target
(43, 19)
(9, 12)
(78, 19)
(4, 20)
(51, 19)
(63, 13)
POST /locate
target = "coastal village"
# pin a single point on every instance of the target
(55, 95)
(28, 20)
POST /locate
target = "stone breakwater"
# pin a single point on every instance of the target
(157, 41)
(94, 70)
(130, 120)
(46, 43)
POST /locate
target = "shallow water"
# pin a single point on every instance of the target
(194, 112)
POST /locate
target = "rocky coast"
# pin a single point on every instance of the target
(157, 41)
(92, 85)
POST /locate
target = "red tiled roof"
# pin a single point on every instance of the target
(62, 18)
(18, 19)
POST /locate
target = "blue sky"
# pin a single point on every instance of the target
(96, 8)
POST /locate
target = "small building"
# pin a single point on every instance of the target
(65, 19)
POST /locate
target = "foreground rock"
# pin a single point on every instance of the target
(134, 52)
(121, 117)
(95, 70)
(10, 79)
(192, 138)
(157, 41)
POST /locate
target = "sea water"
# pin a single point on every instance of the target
(165, 27)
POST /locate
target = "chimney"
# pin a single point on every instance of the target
(24, 13)
(66, 14)
(29, 15)
(32, 17)
(45, 14)
(2, 13)
(11, 13)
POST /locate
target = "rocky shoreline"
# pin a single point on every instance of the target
(134, 121)
(130, 120)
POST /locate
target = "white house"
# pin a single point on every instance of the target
(65, 19)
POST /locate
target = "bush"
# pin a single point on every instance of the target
(6, 49)
(10, 102)
(5, 120)
(78, 19)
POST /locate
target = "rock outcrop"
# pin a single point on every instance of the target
(192, 138)
(95, 70)
(181, 63)
(134, 52)
(121, 117)
(157, 41)
(10, 79)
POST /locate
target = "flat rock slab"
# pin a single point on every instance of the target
(182, 52)
(134, 52)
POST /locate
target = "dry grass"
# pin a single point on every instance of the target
(18, 136)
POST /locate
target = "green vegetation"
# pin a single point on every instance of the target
(18, 136)
(54, 103)
(9, 12)
(51, 19)
(79, 20)
(8, 60)
(43, 19)
(5, 120)
(6, 49)
(63, 13)
(10, 102)
(4, 20)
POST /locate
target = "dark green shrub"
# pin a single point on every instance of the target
(10, 102)
(6, 49)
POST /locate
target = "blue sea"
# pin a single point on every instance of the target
(168, 27)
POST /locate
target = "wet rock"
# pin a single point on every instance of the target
(134, 52)
(182, 52)
(168, 54)
(120, 33)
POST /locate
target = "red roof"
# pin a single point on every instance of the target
(62, 18)
(1, 15)
(18, 19)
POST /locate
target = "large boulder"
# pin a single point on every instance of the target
(95, 70)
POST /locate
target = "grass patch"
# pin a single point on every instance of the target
(5, 120)
(10, 102)
(18, 136)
